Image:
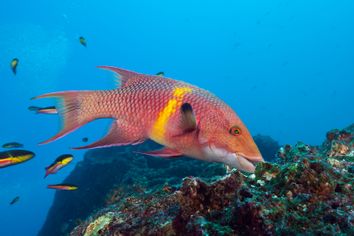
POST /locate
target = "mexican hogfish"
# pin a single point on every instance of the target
(185, 119)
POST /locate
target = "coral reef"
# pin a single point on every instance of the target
(307, 190)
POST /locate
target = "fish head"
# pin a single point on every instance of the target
(228, 141)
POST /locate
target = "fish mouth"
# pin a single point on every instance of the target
(247, 164)
(233, 159)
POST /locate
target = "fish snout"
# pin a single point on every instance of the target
(251, 153)
(247, 163)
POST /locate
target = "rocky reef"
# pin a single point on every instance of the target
(306, 190)
(106, 176)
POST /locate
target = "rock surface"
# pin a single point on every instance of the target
(308, 190)
(107, 175)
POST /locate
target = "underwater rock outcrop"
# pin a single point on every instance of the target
(267, 146)
(308, 190)
(107, 175)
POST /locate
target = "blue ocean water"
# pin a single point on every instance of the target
(286, 67)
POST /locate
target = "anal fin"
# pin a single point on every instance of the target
(119, 134)
(164, 152)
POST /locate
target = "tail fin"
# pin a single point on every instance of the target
(70, 111)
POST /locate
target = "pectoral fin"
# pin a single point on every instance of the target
(164, 152)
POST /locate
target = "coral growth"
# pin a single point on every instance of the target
(99, 224)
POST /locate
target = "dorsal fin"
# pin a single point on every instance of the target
(125, 77)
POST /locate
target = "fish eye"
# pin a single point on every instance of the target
(235, 131)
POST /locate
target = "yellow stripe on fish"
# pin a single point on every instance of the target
(159, 127)
(20, 159)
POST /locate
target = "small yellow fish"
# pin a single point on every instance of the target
(83, 41)
(14, 64)
(67, 187)
(161, 73)
(12, 145)
(58, 164)
(14, 157)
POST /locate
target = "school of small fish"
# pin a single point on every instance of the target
(15, 155)
(18, 156)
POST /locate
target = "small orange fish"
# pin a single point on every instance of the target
(58, 164)
(66, 187)
(187, 120)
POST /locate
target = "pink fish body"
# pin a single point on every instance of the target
(187, 120)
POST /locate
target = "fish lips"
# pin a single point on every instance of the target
(233, 159)
(247, 164)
